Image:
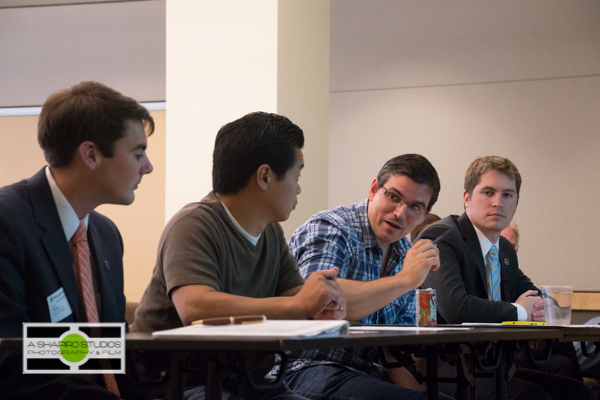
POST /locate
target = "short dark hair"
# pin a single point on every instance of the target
(417, 168)
(247, 143)
(86, 111)
(481, 165)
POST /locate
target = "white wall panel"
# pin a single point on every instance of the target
(221, 65)
(411, 77)
(387, 43)
(548, 129)
(228, 58)
(49, 48)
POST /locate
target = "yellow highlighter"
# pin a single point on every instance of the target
(523, 323)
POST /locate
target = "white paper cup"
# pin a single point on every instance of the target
(557, 304)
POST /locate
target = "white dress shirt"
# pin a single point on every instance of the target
(486, 245)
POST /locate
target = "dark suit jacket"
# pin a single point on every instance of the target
(460, 282)
(35, 262)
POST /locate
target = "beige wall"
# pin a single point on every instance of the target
(462, 79)
(140, 224)
(20, 154)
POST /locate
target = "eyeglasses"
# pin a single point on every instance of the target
(415, 210)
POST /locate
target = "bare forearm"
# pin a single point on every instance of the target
(217, 304)
(364, 298)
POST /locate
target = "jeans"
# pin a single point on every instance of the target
(331, 382)
(245, 393)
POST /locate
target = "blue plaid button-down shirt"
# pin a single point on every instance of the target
(343, 238)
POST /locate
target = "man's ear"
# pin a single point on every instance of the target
(89, 154)
(373, 189)
(466, 199)
(264, 175)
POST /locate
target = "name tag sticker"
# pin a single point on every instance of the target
(59, 306)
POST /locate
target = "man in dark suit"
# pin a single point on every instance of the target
(492, 186)
(94, 140)
(479, 279)
(463, 288)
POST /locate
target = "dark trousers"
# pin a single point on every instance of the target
(333, 382)
(559, 387)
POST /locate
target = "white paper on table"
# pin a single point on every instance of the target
(285, 329)
(582, 326)
(501, 325)
(405, 328)
(490, 324)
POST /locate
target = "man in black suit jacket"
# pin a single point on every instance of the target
(94, 140)
(492, 186)
(463, 295)
(463, 283)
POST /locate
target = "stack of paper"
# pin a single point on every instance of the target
(284, 329)
(396, 328)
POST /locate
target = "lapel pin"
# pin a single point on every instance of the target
(506, 261)
(106, 265)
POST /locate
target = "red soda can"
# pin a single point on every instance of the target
(426, 312)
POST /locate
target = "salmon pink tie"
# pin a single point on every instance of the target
(83, 270)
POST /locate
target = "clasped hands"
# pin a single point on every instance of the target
(533, 304)
(323, 296)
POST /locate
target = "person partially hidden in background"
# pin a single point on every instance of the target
(511, 233)
(61, 261)
(479, 279)
(429, 219)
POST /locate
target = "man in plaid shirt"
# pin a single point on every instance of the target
(379, 270)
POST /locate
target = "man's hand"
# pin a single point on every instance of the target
(539, 314)
(322, 297)
(420, 259)
(532, 304)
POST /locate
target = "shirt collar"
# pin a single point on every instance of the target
(253, 239)
(485, 243)
(368, 238)
(68, 217)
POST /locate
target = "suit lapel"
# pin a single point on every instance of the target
(53, 240)
(472, 242)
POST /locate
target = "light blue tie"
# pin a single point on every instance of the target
(494, 265)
